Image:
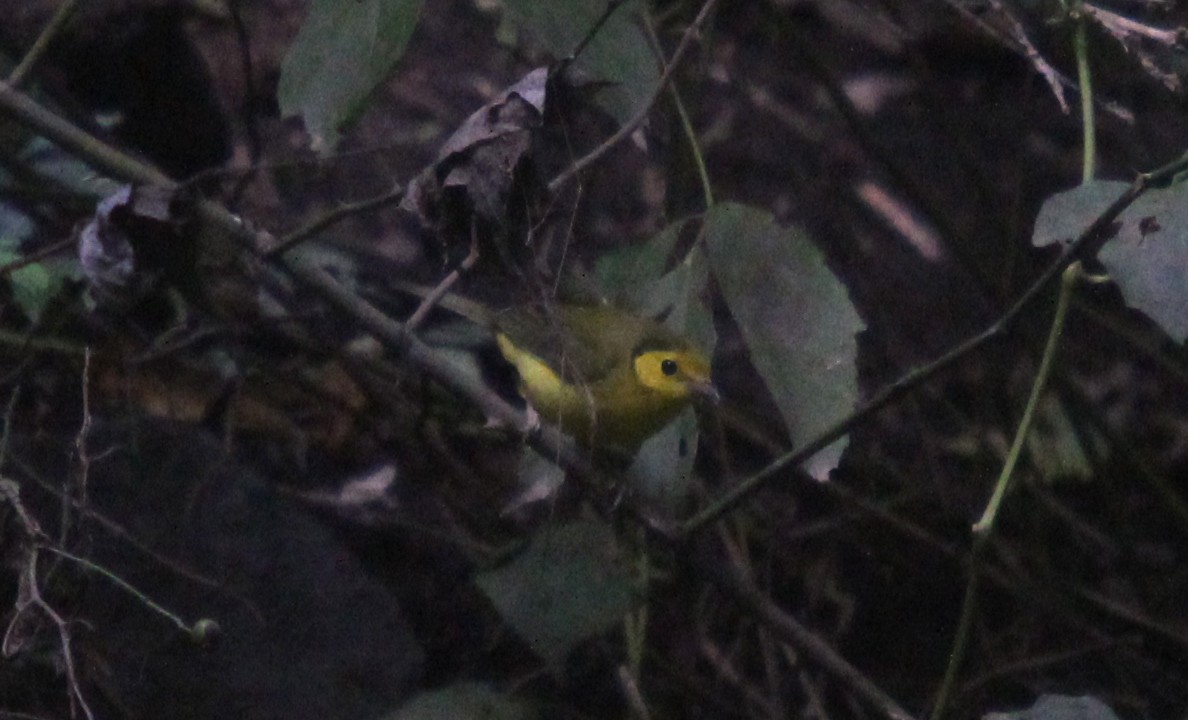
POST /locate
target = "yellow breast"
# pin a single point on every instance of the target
(641, 393)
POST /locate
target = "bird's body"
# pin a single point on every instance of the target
(608, 378)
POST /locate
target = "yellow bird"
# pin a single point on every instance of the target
(605, 377)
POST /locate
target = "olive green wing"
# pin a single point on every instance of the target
(582, 344)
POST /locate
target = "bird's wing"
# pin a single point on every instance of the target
(582, 344)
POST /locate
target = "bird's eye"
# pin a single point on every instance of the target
(668, 366)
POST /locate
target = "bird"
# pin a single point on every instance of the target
(607, 377)
(604, 376)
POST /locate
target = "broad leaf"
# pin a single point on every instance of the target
(660, 475)
(1060, 707)
(342, 52)
(626, 272)
(567, 586)
(795, 316)
(34, 285)
(464, 700)
(1147, 256)
(618, 53)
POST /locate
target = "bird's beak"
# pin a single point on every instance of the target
(705, 391)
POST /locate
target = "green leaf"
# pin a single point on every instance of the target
(539, 479)
(1147, 256)
(682, 293)
(624, 271)
(795, 317)
(32, 289)
(637, 278)
(1060, 707)
(342, 52)
(1066, 214)
(618, 53)
(1056, 447)
(661, 473)
(463, 700)
(566, 587)
(34, 285)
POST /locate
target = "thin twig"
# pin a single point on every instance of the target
(729, 674)
(338, 214)
(611, 7)
(436, 294)
(77, 141)
(914, 378)
(707, 190)
(24, 342)
(120, 532)
(1071, 278)
(48, 33)
(9, 413)
(736, 585)
(84, 431)
(1119, 610)
(63, 628)
(635, 699)
(982, 529)
(123, 585)
(1030, 666)
(11, 492)
(29, 594)
(547, 440)
(691, 33)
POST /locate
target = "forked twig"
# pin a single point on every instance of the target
(916, 377)
(691, 33)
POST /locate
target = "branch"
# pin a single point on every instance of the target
(77, 141)
(103, 157)
(734, 583)
(691, 32)
(338, 214)
(48, 33)
(914, 378)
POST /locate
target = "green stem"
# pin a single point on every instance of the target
(983, 527)
(960, 643)
(1068, 281)
(1085, 82)
(1159, 177)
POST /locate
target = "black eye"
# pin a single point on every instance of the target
(668, 367)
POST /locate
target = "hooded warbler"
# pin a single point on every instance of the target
(605, 377)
